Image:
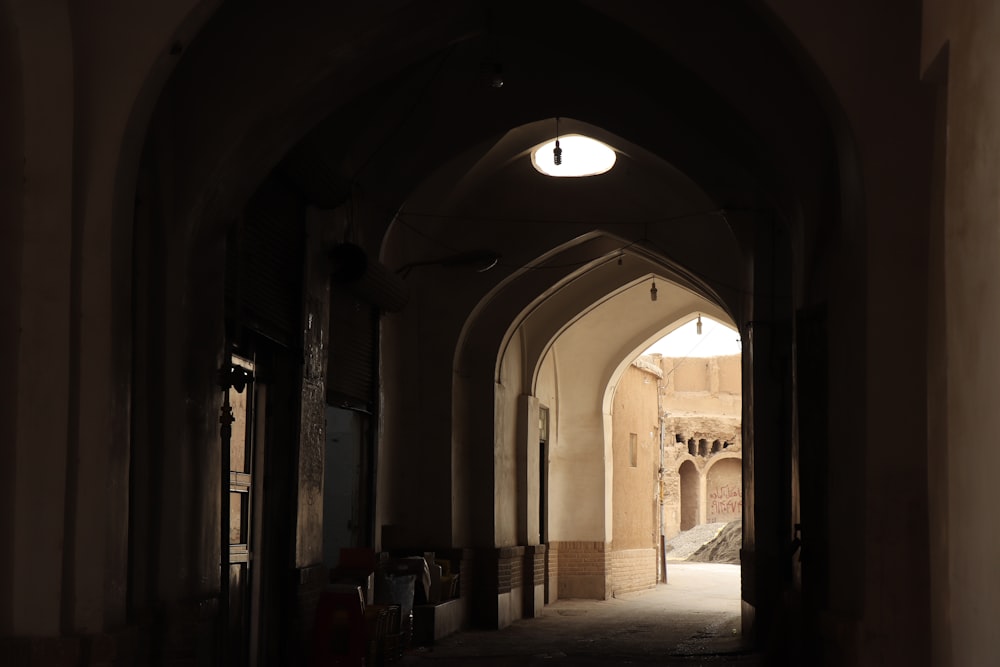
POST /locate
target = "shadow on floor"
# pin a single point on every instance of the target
(693, 619)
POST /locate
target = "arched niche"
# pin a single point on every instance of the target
(690, 494)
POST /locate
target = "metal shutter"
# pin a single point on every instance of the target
(353, 336)
(265, 259)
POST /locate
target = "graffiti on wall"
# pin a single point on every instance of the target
(725, 500)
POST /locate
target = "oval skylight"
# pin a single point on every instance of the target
(581, 156)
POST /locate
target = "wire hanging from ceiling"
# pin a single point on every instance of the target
(644, 241)
(720, 212)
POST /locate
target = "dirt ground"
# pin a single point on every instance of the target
(724, 548)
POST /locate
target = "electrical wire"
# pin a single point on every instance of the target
(644, 241)
(687, 356)
(721, 212)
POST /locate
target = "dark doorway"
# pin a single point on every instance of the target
(346, 435)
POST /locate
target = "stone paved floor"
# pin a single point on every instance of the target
(692, 620)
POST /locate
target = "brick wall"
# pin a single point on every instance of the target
(534, 565)
(633, 570)
(510, 568)
(552, 556)
(534, 579)
(583, 570)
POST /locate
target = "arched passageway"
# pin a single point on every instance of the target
(342, 198)
(454, 363)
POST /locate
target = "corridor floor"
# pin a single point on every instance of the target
(693, 619)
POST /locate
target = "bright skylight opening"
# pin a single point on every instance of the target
(581, 156)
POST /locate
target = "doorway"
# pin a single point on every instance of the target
(343, 520)
(242, 505)
(256, 533)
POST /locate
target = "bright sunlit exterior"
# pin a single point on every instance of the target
(581, 156)
(716, 339)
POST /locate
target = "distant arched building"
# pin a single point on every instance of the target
(702, 407)
(691, 408)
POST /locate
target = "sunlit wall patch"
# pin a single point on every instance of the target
(581, 156)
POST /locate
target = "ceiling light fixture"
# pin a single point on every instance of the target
(589, 157)
(652, 292)
(698, 325)
(557, 151)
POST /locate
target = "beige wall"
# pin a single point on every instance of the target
(708, 386)
(635, 523)
(79, 109)
(506, 447)
(724, 490)
(961, 58)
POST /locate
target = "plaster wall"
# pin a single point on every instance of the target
(636, 461)
(80, 109)
(690, 374)
(508, 493)
(545, 391)
(35, 550)
(635, 523)
(579, 472)
(960, 56)
(11, 148)
(724, 487)
(729, 371)
(708, 385)
(885, 114)
(577, 492)
(718, 377)
(419, 427)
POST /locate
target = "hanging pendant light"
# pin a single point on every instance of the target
(698, 325)
(557, 151)
(652, 292)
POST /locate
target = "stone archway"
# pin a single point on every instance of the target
(690, 496)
